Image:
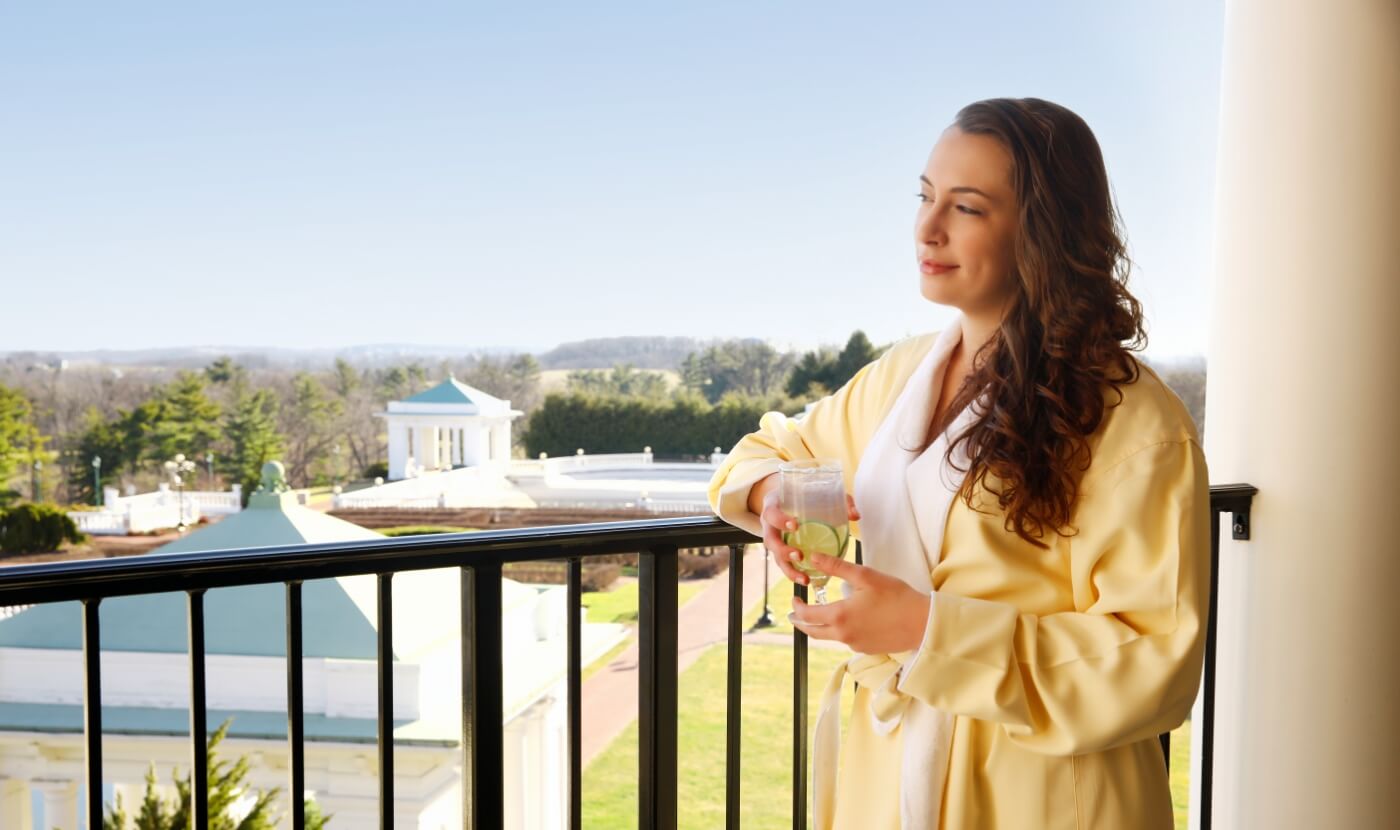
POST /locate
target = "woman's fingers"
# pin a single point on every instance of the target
(773, 521)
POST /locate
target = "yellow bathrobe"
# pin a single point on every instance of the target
(1060, 667)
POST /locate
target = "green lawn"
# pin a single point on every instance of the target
(621, 603)
(610, 782)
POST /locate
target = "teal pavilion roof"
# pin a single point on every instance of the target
(246, 620)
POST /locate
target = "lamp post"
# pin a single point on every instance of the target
(36, 486)
(209, 468)
(765, 620)
(178, 468)
(97, 480)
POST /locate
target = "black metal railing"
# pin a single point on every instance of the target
(480, 557)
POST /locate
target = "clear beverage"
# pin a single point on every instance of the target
(813, 493)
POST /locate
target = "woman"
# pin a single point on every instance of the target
(1033, 506)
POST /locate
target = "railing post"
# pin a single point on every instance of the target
(733, 680)
(199, 720)
(799, 721)
(657, 694)
(296, 734)
(385, 665)
(92, 708)
(574, 604)
(483, 710)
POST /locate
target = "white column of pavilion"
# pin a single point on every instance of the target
(1304, 384)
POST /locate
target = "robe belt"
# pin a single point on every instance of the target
(926, 729)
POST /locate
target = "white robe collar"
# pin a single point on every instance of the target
(903, 496)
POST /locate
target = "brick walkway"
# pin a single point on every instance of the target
(610, 695)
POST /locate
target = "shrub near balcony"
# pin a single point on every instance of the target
(36, 528)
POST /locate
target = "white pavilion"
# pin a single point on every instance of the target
(448, 426)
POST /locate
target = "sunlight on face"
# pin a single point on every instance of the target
(966, 224)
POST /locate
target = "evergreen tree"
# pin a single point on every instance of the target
(223, 371)
(823, 371)
(252, 438)
(188, 422)
(347, 381)
(21, 443)
(103, 439)
(227, 784)
(394, 384)
(813, 374)
(136, 428)
(858, 352)
(16, 431)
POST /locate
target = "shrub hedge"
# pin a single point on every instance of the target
(686, 425)
(36, 528)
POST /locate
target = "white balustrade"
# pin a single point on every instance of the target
(144, 512)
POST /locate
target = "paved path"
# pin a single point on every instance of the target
(610, 695)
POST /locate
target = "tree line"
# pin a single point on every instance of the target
(65, 432)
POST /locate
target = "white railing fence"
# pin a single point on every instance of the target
(164, 508)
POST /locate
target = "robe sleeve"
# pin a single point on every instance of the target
(837, 426)
(1127, 665)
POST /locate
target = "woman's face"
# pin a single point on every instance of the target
(966, 224)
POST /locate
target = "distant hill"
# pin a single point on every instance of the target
(604, 352)
(596, 353)
(193, 357)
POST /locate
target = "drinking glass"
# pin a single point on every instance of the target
(813, 493)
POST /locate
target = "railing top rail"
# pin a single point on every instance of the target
(156, 573)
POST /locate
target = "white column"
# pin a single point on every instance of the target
(503, 440)
(60, 804)
(398, 449)
(434, 453)
(15, 808)
(1303, 388)
(420, 447)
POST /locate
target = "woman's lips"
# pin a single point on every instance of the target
(934, 268)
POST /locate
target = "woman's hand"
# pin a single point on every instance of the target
(884, 614)
(775, 522)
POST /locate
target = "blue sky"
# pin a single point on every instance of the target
(317, 174)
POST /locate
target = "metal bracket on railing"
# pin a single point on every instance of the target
(1239, 524)
(1236, 500)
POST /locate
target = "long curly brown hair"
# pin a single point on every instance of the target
(1069, 327)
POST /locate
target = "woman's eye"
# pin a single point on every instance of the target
(925, 198)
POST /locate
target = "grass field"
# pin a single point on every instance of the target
(621, 603)
(610, 782)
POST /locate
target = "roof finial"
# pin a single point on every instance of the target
(274, 478)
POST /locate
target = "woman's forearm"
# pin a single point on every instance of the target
(760, 491)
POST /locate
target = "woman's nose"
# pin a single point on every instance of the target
(928, 228)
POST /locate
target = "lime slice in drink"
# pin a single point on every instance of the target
(816, 537)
